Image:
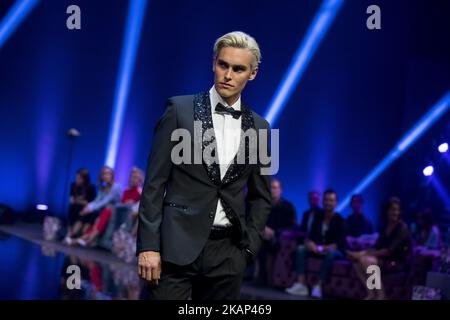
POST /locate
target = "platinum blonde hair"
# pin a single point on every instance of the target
(239, 39)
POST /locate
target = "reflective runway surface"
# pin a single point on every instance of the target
(32, 268)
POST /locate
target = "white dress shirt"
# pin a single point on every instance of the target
(228, 135)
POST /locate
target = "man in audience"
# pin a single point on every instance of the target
(282, 217)
(313, 211)
(326, 240)
(357, 223)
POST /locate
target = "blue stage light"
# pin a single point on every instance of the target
(407, 141)
(41, 207)
(428, 171)
(443, 147)
(136, 13)
(14, 18)
(302, 57)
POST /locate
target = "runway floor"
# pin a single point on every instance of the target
(33, 268)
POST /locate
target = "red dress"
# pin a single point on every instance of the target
(132, 195)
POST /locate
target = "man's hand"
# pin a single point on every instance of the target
(310, 246)
(355, 255)
(149, 266)
(269, 233)
(86, 210)
(80, 200)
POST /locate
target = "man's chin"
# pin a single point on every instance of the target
(225, 93)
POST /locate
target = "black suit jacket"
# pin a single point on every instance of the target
(179, 201)
(335, 234)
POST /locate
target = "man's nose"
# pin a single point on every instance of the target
(228, 74)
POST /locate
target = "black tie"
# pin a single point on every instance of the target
(220, 108)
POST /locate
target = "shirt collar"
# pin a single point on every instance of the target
(216, 98)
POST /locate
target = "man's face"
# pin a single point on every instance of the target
(275, 189)
(232, 69)
(394, 213)
(313, 199)
(329, 202)
(357, 204)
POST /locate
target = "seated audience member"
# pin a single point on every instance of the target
(282, 217)
(426, 234)
(109, 195)
(391, 249)
(134, 219)
(357, 223)
(313, 211)
(81, 193)
(130, 198)
(327, 240)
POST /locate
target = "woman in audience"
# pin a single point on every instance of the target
(130, 198)
(109, 195)
(81, 193)
(391, 250)
(426, 234)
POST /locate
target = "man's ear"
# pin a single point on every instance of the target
(253, 74)
(213, 62)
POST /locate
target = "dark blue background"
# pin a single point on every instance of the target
(361, 92)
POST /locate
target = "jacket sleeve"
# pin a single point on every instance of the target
(158, 169)
(259, 202)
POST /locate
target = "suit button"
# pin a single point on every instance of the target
(211, 214)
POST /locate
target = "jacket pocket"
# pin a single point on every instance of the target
(175, 205)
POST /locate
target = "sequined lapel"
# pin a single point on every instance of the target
(202, 112)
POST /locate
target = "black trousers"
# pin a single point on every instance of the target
(74, 213)
(216, 274)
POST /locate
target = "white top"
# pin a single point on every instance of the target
(228, 134)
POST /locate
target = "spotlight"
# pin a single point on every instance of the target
(443, 147)
(428, 171)
(41, 207)
(73, 133)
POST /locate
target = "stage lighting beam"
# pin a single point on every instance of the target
(14, 17)
(135, 19)
(314, 35)
(421, 126)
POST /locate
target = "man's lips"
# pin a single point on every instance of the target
(226, 85)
